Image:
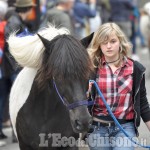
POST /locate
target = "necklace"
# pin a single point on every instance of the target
(113, 61)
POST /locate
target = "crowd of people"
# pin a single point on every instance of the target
(80, 17)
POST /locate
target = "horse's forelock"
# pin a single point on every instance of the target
(68, 60)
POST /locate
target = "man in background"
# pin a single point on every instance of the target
(17, 22)
(3, 88)
(59, 15)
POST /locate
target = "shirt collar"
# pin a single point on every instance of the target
(126, 62)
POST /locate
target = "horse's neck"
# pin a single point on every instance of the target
(46, 98)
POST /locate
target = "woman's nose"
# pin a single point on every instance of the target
(108, 45)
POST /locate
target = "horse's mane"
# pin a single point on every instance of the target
(65, 58)
(28, 50)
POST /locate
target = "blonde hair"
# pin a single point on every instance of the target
(102, 35)
(28, 50)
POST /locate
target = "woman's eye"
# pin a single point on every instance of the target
(113, 41)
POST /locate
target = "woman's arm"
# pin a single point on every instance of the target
(145, 108)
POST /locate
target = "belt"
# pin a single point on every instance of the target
(109, 124)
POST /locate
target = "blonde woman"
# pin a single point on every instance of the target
(122, 82)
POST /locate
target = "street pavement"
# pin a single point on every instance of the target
(144, 133)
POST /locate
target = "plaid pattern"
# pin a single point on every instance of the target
(117, 90)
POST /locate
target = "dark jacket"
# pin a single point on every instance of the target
(82, 10)
(9, 65)
(59, 18)
(141, 106)
(121, 9)
(15, 23)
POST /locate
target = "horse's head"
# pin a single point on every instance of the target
(67, 62)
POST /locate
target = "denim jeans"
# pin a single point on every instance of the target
(112, 138)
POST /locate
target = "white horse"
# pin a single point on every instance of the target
(145, 23)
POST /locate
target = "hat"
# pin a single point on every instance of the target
(24, 3)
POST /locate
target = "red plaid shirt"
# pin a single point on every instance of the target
(117, 90)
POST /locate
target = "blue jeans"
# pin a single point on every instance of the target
(112, 138)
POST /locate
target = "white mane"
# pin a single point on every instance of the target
(28, 50)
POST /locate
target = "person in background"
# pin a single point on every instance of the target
(33, 20)
(120, 14)
(82, 11)
(121, 11)
(134, 22)
(17, 21)
(3, 87)
(45, 5)
(145, 24)
(122, 82)
(105, 10)
(59, 15)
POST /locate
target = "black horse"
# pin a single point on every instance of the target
(55, 111)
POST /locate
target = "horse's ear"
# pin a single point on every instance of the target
(87, 40)
(45, 42)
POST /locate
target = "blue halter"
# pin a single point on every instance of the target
(75, 104)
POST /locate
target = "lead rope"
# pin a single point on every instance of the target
(114, 118)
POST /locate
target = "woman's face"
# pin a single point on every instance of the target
(110, 48)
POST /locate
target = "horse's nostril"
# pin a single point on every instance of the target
(79, 125)
(90, 125)
(90, 121)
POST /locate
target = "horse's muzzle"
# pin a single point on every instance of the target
(82, 126)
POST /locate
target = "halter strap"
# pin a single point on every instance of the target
(75, 104)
